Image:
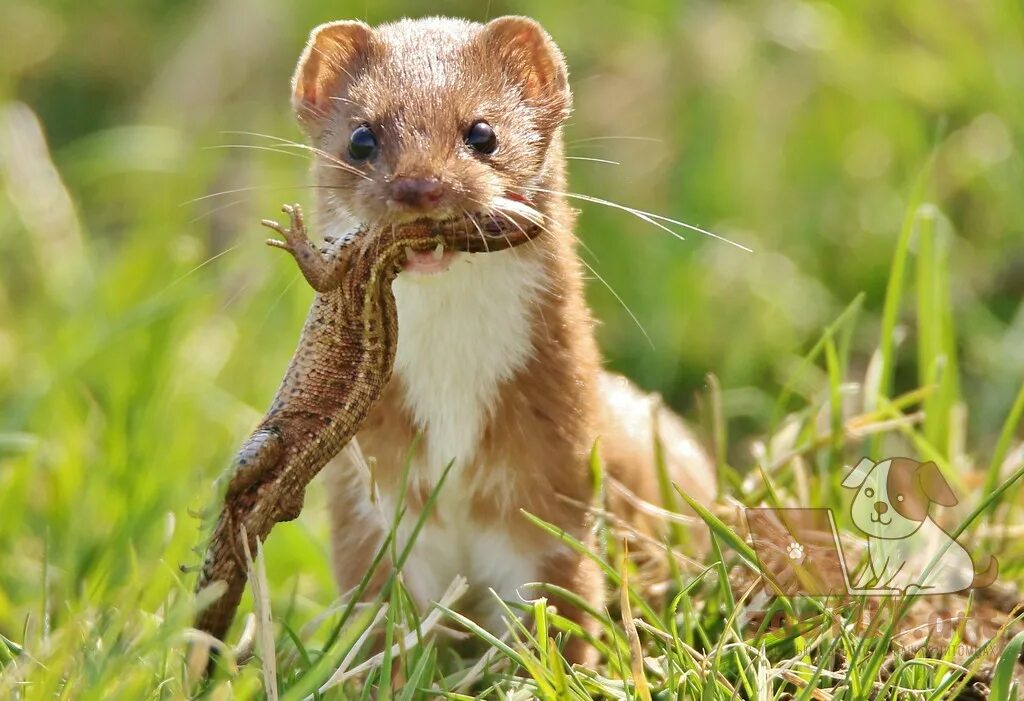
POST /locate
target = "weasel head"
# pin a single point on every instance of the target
(436, 118)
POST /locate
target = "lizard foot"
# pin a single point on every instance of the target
(323, 272)
(257, 457)
(290, 508)
(294, 235)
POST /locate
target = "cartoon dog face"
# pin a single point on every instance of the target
(894, 496)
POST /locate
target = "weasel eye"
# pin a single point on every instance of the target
(899, 497)
(481, 138)
(362, 144)
(869, 492)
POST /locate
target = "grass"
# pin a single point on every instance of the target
(118, 627)
(143, 327)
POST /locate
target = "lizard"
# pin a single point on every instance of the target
(342, 364)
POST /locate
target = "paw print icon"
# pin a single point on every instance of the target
(795, 551)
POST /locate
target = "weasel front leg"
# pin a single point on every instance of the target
(322, 271)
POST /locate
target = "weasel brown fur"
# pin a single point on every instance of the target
(497, 367)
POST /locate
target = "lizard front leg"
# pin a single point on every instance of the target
(322, 271)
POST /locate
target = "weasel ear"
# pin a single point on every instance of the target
(935, 485)
(334, 53)
(530, 58)
(858, 474)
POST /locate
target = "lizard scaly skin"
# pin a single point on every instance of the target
(339, 370)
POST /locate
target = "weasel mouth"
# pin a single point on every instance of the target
(514, 217)
(428, 262)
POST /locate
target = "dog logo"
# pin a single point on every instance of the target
(907, 551)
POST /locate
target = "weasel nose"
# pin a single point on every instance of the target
(881, 507)
(419, 193)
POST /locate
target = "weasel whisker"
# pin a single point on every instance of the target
(596, 200)
(621, 302)
(196, 269)
(214, 210)
(336, 165)
(593, 160)
(513, 222)
(288, 143)
(649, 217)
(590, 139)
(254, 188)
(597, 275)
(483, 237)
(254, 147)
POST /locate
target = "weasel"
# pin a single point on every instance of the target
(497, 369)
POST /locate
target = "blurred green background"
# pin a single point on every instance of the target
(144, 327)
